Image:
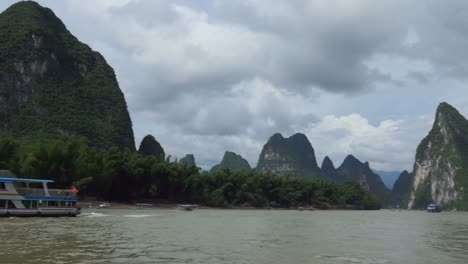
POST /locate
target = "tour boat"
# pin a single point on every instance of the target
(31, 197)
(433, 208)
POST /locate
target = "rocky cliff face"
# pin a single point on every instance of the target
(290, 157)
(188, 160)
(401, 189)
(441, 165)
(354, 170)
(328, 170)
(232, 162)
(53, 85)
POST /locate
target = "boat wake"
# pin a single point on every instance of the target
(92, 214)
(342, 259)
(138, 215)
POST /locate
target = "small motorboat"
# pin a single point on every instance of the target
(433, 208)
(186, 207)
(103, 205)
(143, 205)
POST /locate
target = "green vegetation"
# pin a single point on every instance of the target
(53, 85)
(125, 175)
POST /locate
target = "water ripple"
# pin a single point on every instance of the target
(240, 237)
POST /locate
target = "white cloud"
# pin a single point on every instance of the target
(390, 144)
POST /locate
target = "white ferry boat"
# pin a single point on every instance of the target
(31, 197)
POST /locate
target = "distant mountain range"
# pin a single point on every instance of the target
(440, 170)
(294, 157)
(388, 177)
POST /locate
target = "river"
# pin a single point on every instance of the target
(237, 236)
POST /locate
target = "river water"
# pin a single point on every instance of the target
(237, 236)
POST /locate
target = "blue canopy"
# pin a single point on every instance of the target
(23, 180)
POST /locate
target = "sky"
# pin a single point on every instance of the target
(356, 77)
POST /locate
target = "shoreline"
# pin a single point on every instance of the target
(122, 205)
(135, 206)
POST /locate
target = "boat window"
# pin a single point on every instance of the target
(63, 204)
(2, 204)
(73, 204)
(34, 204)
(2, 186)
(52, 204)
(19, 185)
(10, 205)
(27, 204)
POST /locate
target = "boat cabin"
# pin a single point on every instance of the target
(433, 208)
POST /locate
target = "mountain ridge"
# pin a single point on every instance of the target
(232, 162)
(441, 162)
(53, 85)
(352, 169)
(290, 157)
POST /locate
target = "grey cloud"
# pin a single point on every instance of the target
(419, 77)
(255, 109)
(177, 49)
(147, 13)
(442, 36)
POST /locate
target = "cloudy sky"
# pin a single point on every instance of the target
(357, 77)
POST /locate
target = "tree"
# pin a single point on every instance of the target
(8, 154)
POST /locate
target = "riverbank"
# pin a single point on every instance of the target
(121, 205)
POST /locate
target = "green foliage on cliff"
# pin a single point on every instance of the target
(232, 162)
(401, 190)
(354, 170)
(423, 195)
(446, 146)
(123, 175)
(291, 157)
(188, 160)
(149, 146)
(54, 85)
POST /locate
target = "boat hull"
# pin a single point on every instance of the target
(39, 213)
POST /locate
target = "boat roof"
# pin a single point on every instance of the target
(22, 180)
(8, 176)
